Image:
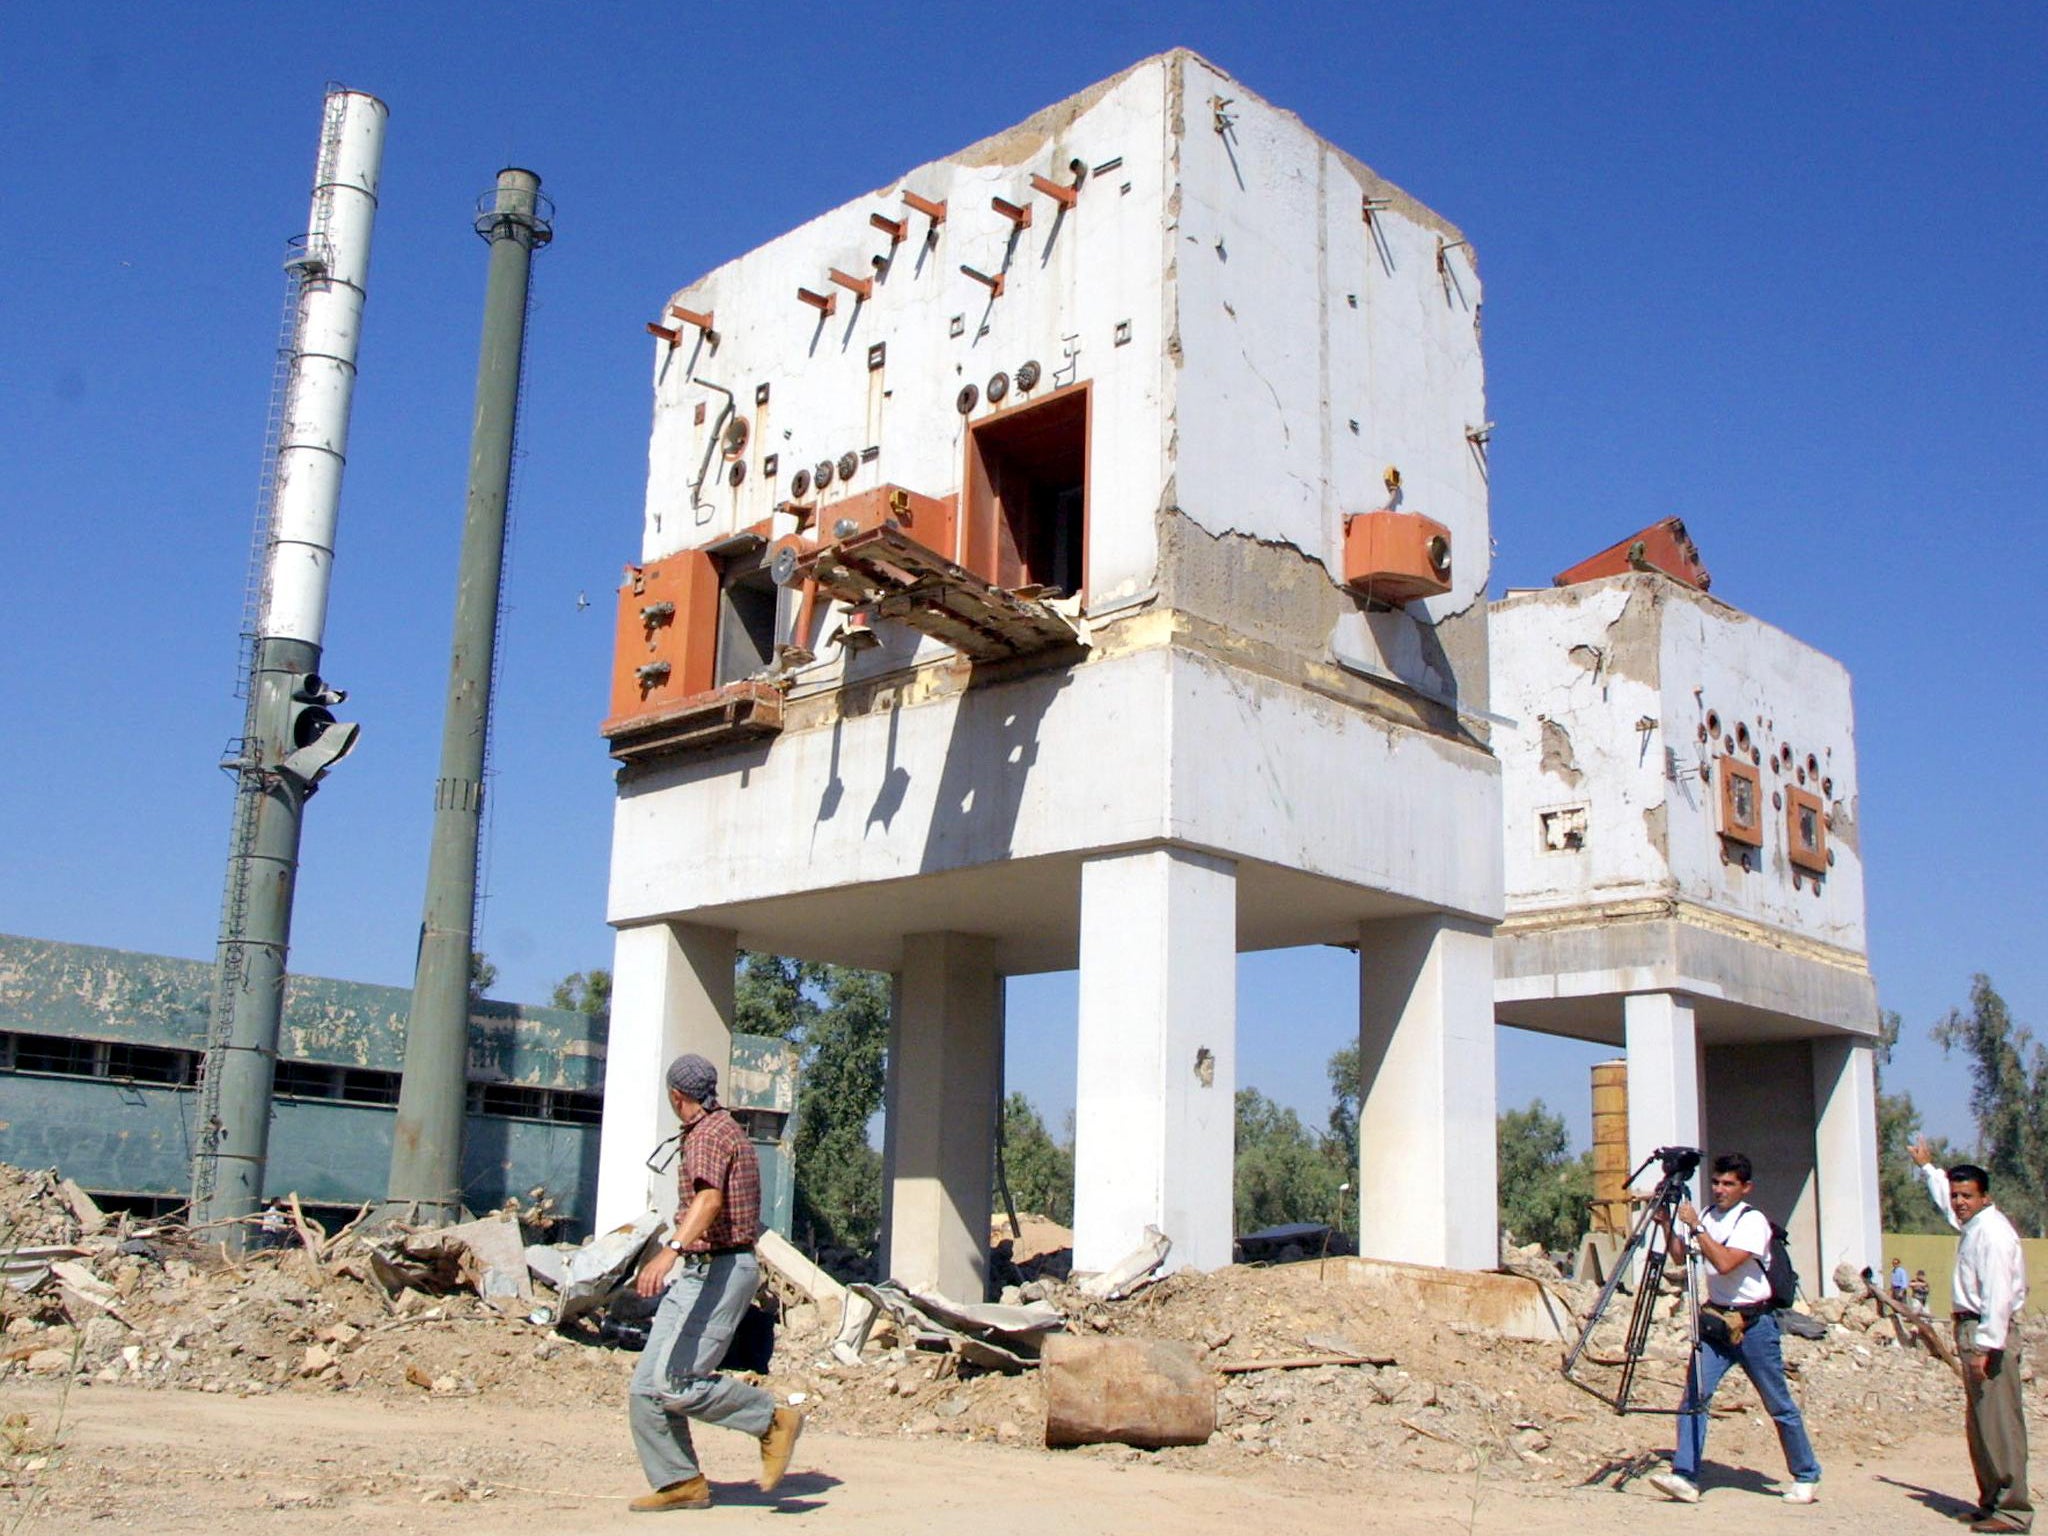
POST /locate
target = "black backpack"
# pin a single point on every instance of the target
(1777, 1262)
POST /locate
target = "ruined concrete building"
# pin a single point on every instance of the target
(1683, 877)
(1073, 554)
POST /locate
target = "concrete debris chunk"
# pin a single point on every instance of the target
(777, 1253)
(1133, 1271)
(584, 1278)
(993, 1337)
(84, 1293)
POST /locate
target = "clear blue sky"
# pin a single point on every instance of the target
(1776, 270)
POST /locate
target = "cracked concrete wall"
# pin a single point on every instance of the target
(1314, 350)
(1567, 671)
(1084, 297)
(1627, 670)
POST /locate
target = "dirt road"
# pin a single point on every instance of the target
(193, 1462)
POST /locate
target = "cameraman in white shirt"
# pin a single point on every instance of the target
(1738, 1326)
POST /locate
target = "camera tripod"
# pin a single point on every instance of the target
(1648, 1240)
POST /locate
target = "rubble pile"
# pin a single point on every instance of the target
(90, 1298)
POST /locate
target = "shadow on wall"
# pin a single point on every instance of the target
(989, 757)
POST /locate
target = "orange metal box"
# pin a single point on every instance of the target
(1396, 557)
(928, 519)
(667, 636)
(1806, 831)
(1664, 546)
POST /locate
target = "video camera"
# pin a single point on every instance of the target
(1679, 1163)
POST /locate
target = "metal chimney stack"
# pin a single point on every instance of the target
(289, 736)
(426, 1152)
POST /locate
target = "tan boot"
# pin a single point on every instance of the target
(693, 1494)
(778, 1445)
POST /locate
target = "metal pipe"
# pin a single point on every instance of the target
(289, 737)
(426, 1151)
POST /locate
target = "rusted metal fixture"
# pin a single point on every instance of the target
(1066, 197)
(1663, 546)
(993, 281)
(1396, 557)
(859, 287)
(1019, 216)
(691, 317)
(935, 211)
(823, 303)
(895, 229)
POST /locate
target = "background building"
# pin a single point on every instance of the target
(1683, 879)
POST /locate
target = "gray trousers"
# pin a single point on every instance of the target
(677, 1379)
(1996, 1425)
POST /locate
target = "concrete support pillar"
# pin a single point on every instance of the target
(1426, 1136)
(672, 991)
(1156, 1086)
(1663, 1077)
(1845, 1158)
(945, 1078)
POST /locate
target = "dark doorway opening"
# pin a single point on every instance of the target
(1027, 495)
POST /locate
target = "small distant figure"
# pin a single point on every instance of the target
(1921, 1289)
(1900, 1282)
(273, 1227)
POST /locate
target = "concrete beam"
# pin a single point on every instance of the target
(672, 991)
(1845, 1157)
(945, 1078)
(1156, 1087)
(1663, 1074)
(1427, 1176)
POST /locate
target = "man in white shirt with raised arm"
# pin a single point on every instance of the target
(1989, 1290)
(1732, 1239)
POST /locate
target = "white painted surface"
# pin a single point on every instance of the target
(1845, 1141)
(1069, 282)
(1156, 745)
(1626, 670)
(945, 1079)
(1314, 354)
(1426, 1132)
(313, 436)
(1663, 1079)
(672, 991)
(1155, 1093)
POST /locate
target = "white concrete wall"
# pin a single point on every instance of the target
(1788, 693)
(1154, 746)
(1312, 356)
(1594, 661)
(1078, 277)
(1574, 744)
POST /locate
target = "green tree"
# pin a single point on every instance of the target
(838, 1018)
(1902, 1198)
(1546, 1194)
(1344, 1096)
(584, 992)
(1285, 1171)
(482, 975)
(2008, 1099)
(1041, 1170)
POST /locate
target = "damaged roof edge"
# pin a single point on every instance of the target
(1022, 141)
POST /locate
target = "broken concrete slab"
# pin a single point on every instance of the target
(1133, 1271)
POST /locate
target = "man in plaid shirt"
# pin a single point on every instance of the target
(708, 1266)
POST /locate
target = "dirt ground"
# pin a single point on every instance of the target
(189, 1461)
(155, 1380)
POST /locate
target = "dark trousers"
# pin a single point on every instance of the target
(1996, 1426)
